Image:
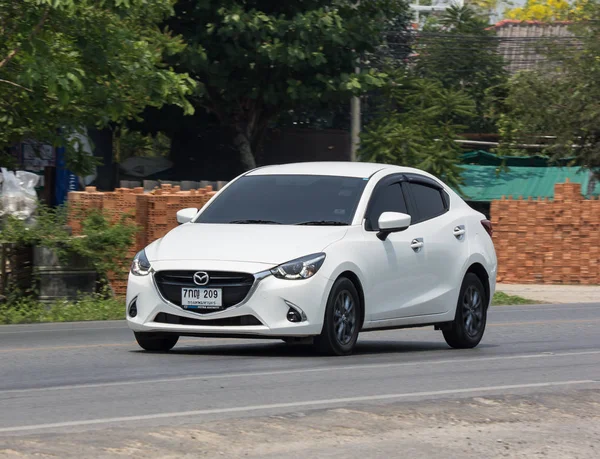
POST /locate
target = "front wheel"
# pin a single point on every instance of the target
(342, 320)
(156, 342)
(469, 322)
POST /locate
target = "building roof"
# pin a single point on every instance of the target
(518, 39)
(486, 183)
(513, 22)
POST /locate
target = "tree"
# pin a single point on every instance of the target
(551, 10)
(483, 5)
(559, 104)
(419, 127)
(70, 64)
(253, 60)
(459, 51)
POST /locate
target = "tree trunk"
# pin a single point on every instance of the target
(244, 146)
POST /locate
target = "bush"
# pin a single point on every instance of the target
(103, 242)
(24, 310)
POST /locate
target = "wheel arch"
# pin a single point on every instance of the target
(479, 270)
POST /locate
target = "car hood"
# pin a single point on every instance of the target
(269, 244)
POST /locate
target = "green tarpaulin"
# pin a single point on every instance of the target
(484, 158)
(486, 183)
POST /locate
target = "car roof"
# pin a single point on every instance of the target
(333, 168)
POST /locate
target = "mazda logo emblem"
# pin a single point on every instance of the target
(201, 278)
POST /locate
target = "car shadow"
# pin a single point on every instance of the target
(278, 349)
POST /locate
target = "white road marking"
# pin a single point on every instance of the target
(298, 404)
(301, 370)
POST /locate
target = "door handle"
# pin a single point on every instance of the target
(417, 244)
(459, 231)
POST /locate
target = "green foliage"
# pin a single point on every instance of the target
(502, 299)
(254, 59)
(559, 103)
(104, 243)
(83, 63)
(459, 51)
(457, 75)
(419, 128)
(25, 310)
(49, 229)
(132, 143)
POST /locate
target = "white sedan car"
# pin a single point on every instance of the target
(318, 252)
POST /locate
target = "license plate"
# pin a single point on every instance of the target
(201, 298)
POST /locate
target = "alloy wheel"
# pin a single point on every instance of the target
(344, 317)
(472, 311)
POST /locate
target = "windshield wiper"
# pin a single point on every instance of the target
(323, 223)
(254, 222)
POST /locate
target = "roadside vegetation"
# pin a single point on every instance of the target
(103, 244)
(27, 310)
(502, 299)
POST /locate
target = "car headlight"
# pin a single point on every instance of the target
(300, 268)
(140, 265)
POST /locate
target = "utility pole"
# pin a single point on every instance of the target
(355, 119)
(355, 124)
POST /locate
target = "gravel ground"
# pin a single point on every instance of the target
(544, 425)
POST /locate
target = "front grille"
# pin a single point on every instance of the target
(235, 286)
(240, 321)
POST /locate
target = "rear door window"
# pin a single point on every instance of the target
(429, 202)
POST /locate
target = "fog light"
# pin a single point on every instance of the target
(294, 316)
(133, 308)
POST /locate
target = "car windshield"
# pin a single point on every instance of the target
(286, 200)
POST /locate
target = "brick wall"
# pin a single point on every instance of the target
(548, 242)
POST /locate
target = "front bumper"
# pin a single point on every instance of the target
(269, 301)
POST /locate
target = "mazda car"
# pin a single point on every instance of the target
(316, 253)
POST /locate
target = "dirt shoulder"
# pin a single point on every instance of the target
(541, 426)
(548, 293)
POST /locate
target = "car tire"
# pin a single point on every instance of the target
(342, 320)
(156, 342)
(467, 329)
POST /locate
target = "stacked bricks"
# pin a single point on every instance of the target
(81, 203)
(120, 206)
(160, 210)
(548, 242)
(155, 214)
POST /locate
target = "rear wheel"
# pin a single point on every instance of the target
(469, 322)
(342, 320)
(156, 342)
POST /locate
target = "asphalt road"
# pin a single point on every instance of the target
(57, 378)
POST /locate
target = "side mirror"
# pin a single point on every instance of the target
(186, 215)
(392, 222)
